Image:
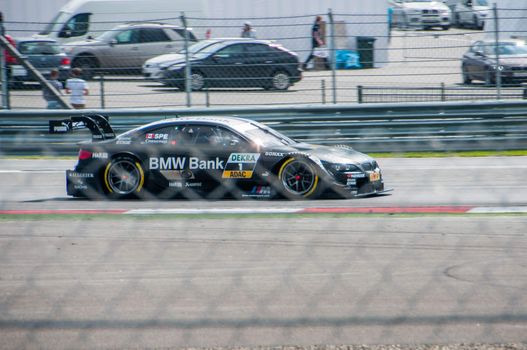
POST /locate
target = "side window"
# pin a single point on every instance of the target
(151, 35)
(130, 36)
(210, 136)
(78, 25)
(181, 33)
(257, 50)
(477, 47)
(165, 135)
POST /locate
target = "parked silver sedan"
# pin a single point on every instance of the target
(125, 48)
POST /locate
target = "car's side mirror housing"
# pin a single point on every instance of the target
(113, 42)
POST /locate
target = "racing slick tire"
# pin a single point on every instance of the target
(299, 178)
(123, 178)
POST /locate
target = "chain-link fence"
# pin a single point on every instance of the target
(124, 66)
(197, 231)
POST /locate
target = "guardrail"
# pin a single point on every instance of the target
(446, 126)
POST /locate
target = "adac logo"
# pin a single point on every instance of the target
(240, 165)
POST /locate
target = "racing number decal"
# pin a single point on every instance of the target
(240, 165)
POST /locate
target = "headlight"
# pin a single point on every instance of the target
(340, 167)
(495, 67)
(176, 66)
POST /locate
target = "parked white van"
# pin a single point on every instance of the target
(81, 19)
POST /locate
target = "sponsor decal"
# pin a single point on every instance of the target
(178, 184)
(375, 176)
(100, 155)
(351, 182)
(123, 142)
(240, 165)
(178, 174)
(274, 154)
(81, 175)
(62, 128)
(156, 138)
(80, 187)
(355, 175)
(180, 163)
(259, 192)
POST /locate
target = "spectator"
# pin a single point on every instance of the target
(316, 41)
(78, 88)
(248, 31)
(51, 99)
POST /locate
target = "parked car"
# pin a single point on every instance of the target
(469, 13)
(237, 63)
(480, 62)
(126, 47)
(153, 66)
(423, 14)
(43, 54)
(211, 157)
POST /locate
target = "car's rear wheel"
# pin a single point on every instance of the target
(87, 64)
(466, 77)
(298, 179)
(123, 177)
(280, 80)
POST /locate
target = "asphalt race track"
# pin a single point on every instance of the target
(166, 281)
(485, 181)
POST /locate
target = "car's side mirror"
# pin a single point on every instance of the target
(234, 142)
(113, 42)
(479, 53)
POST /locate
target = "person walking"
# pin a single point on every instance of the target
(77, 88)
(316, 41)
(248, 31)
(51, 99)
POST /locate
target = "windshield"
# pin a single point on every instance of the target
(481, 3)
(263, 135)
(192, 49)
(60, 18)
(207, 50)
(108, 35)
(506, 49)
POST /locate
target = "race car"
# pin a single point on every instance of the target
(211, 157)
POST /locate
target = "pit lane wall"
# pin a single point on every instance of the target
(446, 126)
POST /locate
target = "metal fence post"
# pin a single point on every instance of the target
(3, 69)
(443, 96)
(333, 55)
(323, 90)
(101, 85)
(496, 50)
(188, 80)
(359, 93)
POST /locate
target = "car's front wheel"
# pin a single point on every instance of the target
(298, 179)
(197, 81)
(123, 177)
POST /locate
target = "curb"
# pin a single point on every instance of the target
(270, 210)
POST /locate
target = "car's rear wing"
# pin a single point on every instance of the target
(98, 125)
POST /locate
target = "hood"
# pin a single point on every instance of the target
(168, 59)
(344, 155)
(433, 5)
(520, 60)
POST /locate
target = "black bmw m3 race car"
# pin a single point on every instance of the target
(211, 157)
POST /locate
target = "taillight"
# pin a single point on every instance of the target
(65, 61)
(84, 154)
